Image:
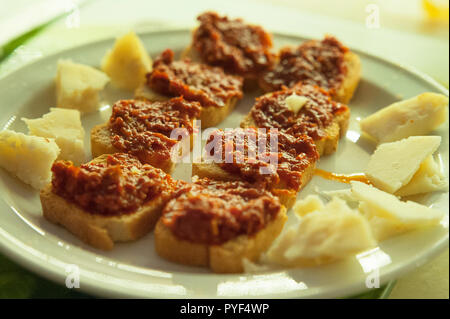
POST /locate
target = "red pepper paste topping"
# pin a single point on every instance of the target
(143, 128)
(271, 111)
(232, 44)
(208, 85)
(117, 185)
(211, 212)
(268, 158)
(314, 62)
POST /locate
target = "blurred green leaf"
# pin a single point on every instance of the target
(9, 47)
(14, 282)
(16, 285)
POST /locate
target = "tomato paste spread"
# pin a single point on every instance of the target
(143, 128)
(260, 156)
(314, 62)
(317, 113)
(208, 85)
(210, 212)
(232, 44)
(117, 185)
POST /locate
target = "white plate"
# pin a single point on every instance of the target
(134, 269)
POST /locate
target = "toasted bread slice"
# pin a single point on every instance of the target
(145, 129)
(348, 86)
(101, 144)
(225, 258)
(100, 231)
(216, 91)
(332, 133)
(210, 116)
(250, 80)
(286, 196)
(238, 47)
(292, 177)
(344, 92)
(328, 142)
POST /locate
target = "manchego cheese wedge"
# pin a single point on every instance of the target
(310, 204)
(333, 231)
(78, 86)
(388, 215)
(127, 63)
(393, 165)
(64, 126)
(416, 116)
(428, 178)
(30, 158)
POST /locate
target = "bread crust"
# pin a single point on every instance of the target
(100, 231)
(209, 116)
(101, 144)
(348, 86)
(225, 258)
(179, 251)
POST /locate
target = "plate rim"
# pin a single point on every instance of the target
(36, 261)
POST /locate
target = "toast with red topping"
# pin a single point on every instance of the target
(216, 91)
(145, 129)
(236, 46)
(302, 110)
(218, 224)
(325, 63)
(113, 198)
(276, 161)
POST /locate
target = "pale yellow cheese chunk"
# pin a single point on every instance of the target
(394, 164)
(428, 178)
(310, 204)
(388, 215)
(78, 86)
(416, 116)
(332, 232)
(382, 228)
(30, 158)
(295, 102)
(344, 194)
(64, 126)
(127, 63)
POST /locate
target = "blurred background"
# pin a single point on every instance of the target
(414, 33)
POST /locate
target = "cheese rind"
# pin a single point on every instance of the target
(78, 86)
(30, 158)
(416, 116)
(127, 63)
(64, 126)
(394, 164)
(333, 232)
